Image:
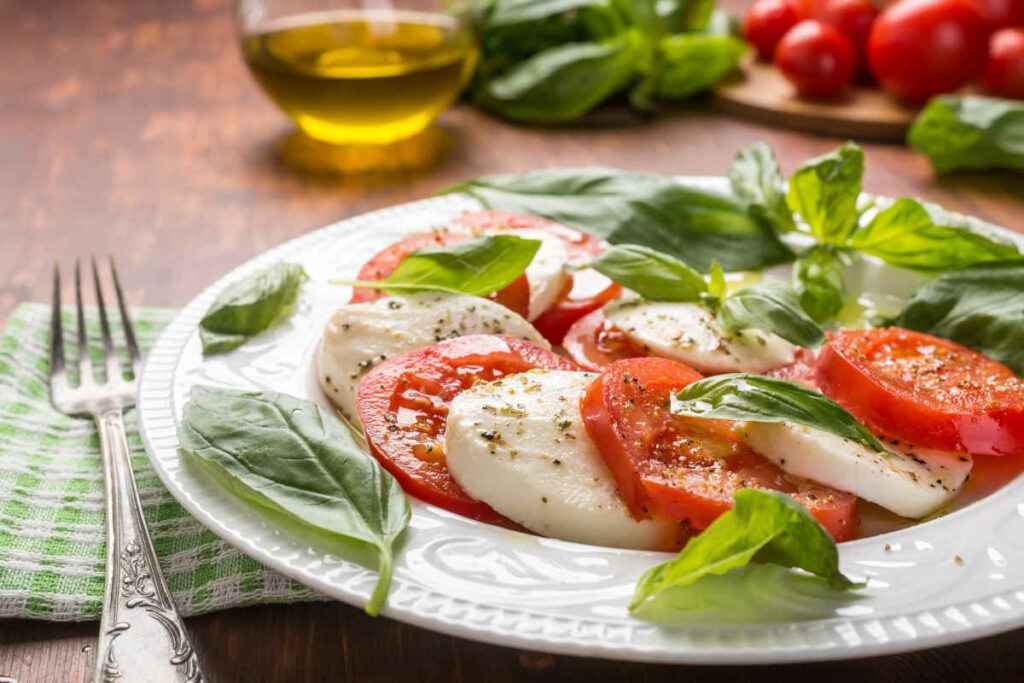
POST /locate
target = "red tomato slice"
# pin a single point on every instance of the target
(582, 246)
(687, 468)
(594, 342)
(515, 296)
(588, 292)
(929, 391)
(403, 405)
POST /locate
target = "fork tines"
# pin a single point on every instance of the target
(114, 373)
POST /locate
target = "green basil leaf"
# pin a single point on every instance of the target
(477, 266)
(717, 289)
(755, 398)
(980, 307)
(762, 526)
(692, 224)
(513, 30)
(818, 281)
(972, 132)
(694, 62)
(251, 306)
(562, 83)
(771, 307)
(825, 190)
(904, 235)
(757, 180)
(294, 458)
(651, 274)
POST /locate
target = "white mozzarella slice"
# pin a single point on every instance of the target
(691, 334)
(359, 336)
(909, 484)
(519, 445)
(546, 273)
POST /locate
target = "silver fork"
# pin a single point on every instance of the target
(139, 616)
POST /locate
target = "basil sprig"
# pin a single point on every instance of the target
(818, 282)
(756, 179)
(552, 61)
(478, 267)
(293, 458)
(692, 224)
(980, 307)
(761, 527)
(970, 133)
(659, 277)
(251, 306)
(755, 398)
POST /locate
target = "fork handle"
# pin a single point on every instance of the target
(142, 637)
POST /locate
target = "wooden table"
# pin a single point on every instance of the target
(131, 127)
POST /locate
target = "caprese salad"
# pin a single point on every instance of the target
(611, 395)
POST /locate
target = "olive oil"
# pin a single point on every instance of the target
(362, 77)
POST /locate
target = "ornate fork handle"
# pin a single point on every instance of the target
(142, 637)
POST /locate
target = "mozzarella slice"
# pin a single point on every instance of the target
(519, 445)
(909, 484)
(359, 336)
(546, 273)
(691, 334)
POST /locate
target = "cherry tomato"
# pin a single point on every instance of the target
(403, 406)
(854, 19)
(766, 21)
(594, 342)
(921, 48)
(1004, 75)
(925, 390)
(816, 58)
(1002, 13)
(686, 468)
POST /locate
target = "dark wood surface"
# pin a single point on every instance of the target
(131, 127)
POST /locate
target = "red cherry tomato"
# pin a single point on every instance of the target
(925, 390)
(854, 19)
(921, 48)
(816, 58)
(1004, 75)
(687, 468)
(1002, 13)
(766, 21)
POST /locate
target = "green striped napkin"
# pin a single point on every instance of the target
(52, 533)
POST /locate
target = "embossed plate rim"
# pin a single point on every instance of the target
(439, 608)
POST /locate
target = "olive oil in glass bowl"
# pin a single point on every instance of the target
(359, 73)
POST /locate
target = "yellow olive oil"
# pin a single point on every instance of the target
(362, 77)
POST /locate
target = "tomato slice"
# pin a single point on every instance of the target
(403, 405)
(594, 342)
(925, 390)
(516, 296)
(687, 468)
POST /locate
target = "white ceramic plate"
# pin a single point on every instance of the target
(953, 579)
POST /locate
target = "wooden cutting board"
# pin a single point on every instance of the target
(760, 92)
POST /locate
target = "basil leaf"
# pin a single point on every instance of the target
(695, 62)
(755, 398)
(251, 306)
(770, 307)
(818, 281)
(562, 83)
(904, 235)
(651, 274)
(294, 458)
(717, 289)
(972, 132)
(825, 190)
(478, 267)
(757, 180)
(980, 307)
(512, 30)
(692, 224)
(762, 526)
